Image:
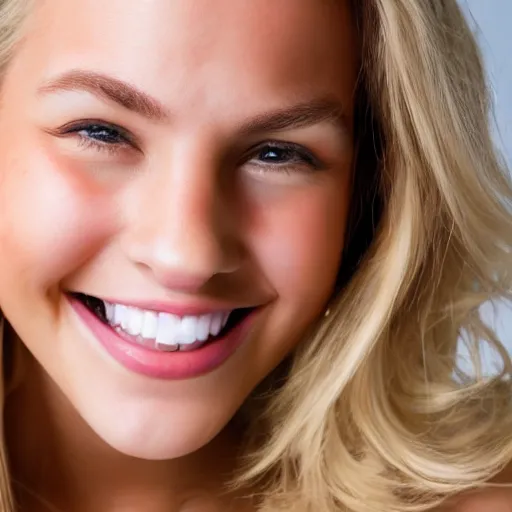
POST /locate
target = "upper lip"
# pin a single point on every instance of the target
(189, 307)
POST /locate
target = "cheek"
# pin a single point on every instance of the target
(301, 243)
(51, 221)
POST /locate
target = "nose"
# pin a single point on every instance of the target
(180, 226)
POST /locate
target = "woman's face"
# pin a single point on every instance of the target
(175, 161)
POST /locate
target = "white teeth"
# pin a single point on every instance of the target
(203, 327)
(119, 314)
(167, 328)
(125, 319)
(188, 330)
(149, 325)
(216, 324)
(169, 332)
(134, 321)
(109, 312)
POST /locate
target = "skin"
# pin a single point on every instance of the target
(497, 497)
(186, 209)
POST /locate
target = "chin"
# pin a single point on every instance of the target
(156, 437)
(156, 451)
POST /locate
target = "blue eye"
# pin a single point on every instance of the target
(98, 135)
(102, 133)
(283, 156)
(276, 155)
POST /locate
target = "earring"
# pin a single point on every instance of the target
(327, 312)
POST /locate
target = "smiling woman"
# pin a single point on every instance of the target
(243, 252)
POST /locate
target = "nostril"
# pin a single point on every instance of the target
(181, 251)
(181, 266)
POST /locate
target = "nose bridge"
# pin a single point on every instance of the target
(188, 197)
(182, 231)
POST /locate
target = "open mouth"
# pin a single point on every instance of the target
(163, 331)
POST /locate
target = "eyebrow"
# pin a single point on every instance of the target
(130, 97)
(109, 88)
(300, 115)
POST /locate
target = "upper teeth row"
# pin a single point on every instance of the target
(165, 328)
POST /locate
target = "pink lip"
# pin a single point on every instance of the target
(164, 365)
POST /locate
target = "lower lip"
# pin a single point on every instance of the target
(164, 365)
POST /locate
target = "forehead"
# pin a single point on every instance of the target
(249, 49)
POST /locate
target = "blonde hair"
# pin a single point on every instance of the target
(375, 413)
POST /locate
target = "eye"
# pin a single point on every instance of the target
(283, 156)
(102, 133)
(99, 135)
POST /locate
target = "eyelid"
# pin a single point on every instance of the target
(308, 156)
(82, 124)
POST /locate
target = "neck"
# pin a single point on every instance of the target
(56, 458)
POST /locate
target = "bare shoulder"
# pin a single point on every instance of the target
(491, 500)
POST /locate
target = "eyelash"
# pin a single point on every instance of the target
(297, 155)
(124, 140)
